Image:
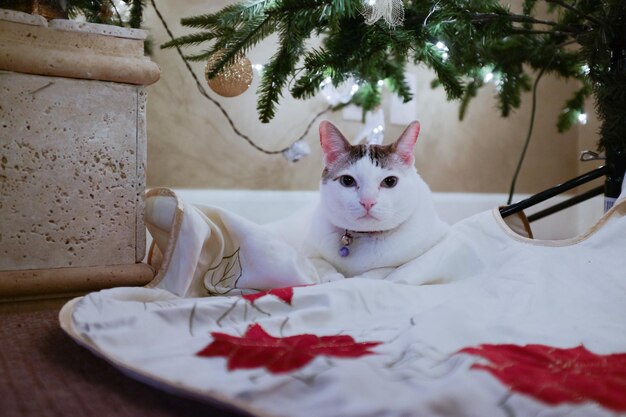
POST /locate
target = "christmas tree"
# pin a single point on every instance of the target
(467, 43)
(111, 12)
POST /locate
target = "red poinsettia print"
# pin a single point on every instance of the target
(285, 294)
(258, 349)
(555, 375)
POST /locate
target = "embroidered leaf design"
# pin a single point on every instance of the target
(257, 349)
(556, 375)
(223, 278)
(285, 294)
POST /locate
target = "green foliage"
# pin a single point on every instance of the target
(573, 108)
(368, 97)
(94, 11)
(136, 12)
(461, 41)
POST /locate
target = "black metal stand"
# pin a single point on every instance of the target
(615, 159)
(616, 164)
(567, 203)
(551, 192)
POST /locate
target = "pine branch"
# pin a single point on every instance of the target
(489, 17)
(232, 15)
(470, 92)
(529, 6)
(205, 21)
(575, 10)
(307, 85)
(315, 64)
(446, 74)
(252, 32)
(396, 80)
(280, 66)
(479, 34)
(520, 31)
(191, 39)
(368, 97)
(136, 13)
(510, 89)
(573, 107)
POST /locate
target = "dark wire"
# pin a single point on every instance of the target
(219, 106)
(528, 136)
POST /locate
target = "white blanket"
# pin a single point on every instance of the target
(514, 326)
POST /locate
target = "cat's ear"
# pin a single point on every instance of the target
(334, 144)
(403, 147)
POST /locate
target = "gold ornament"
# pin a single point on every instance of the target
(233, 79)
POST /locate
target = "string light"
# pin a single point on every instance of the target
(292, 153)
(498, 82)
(122, 9)
(342, 93)
(298, 150)
(377, 135)
(444, 50)
(581, 116)
(374, 128)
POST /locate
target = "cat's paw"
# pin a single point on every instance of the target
(326, 271)
(332, 276)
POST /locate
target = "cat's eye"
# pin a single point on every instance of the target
(389, 182)
(347, 181)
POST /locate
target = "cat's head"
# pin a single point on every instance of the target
(369, 187)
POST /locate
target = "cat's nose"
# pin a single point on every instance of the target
(367, 204)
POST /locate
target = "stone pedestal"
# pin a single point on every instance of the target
(72, 156)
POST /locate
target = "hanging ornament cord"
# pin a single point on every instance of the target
(219, 106)
(533, 111)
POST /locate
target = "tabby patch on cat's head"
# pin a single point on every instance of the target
(339, 153)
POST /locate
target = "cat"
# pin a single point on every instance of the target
(375, 212)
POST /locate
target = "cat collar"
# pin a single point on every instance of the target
(347, 238)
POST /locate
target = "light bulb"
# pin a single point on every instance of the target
(444, 48)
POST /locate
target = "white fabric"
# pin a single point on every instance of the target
(494, 287)
(217, 252)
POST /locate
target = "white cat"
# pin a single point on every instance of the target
(375, 211)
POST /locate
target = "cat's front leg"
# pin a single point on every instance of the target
(326, 271)
(377, 273)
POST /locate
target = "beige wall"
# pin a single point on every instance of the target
(190, 143)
